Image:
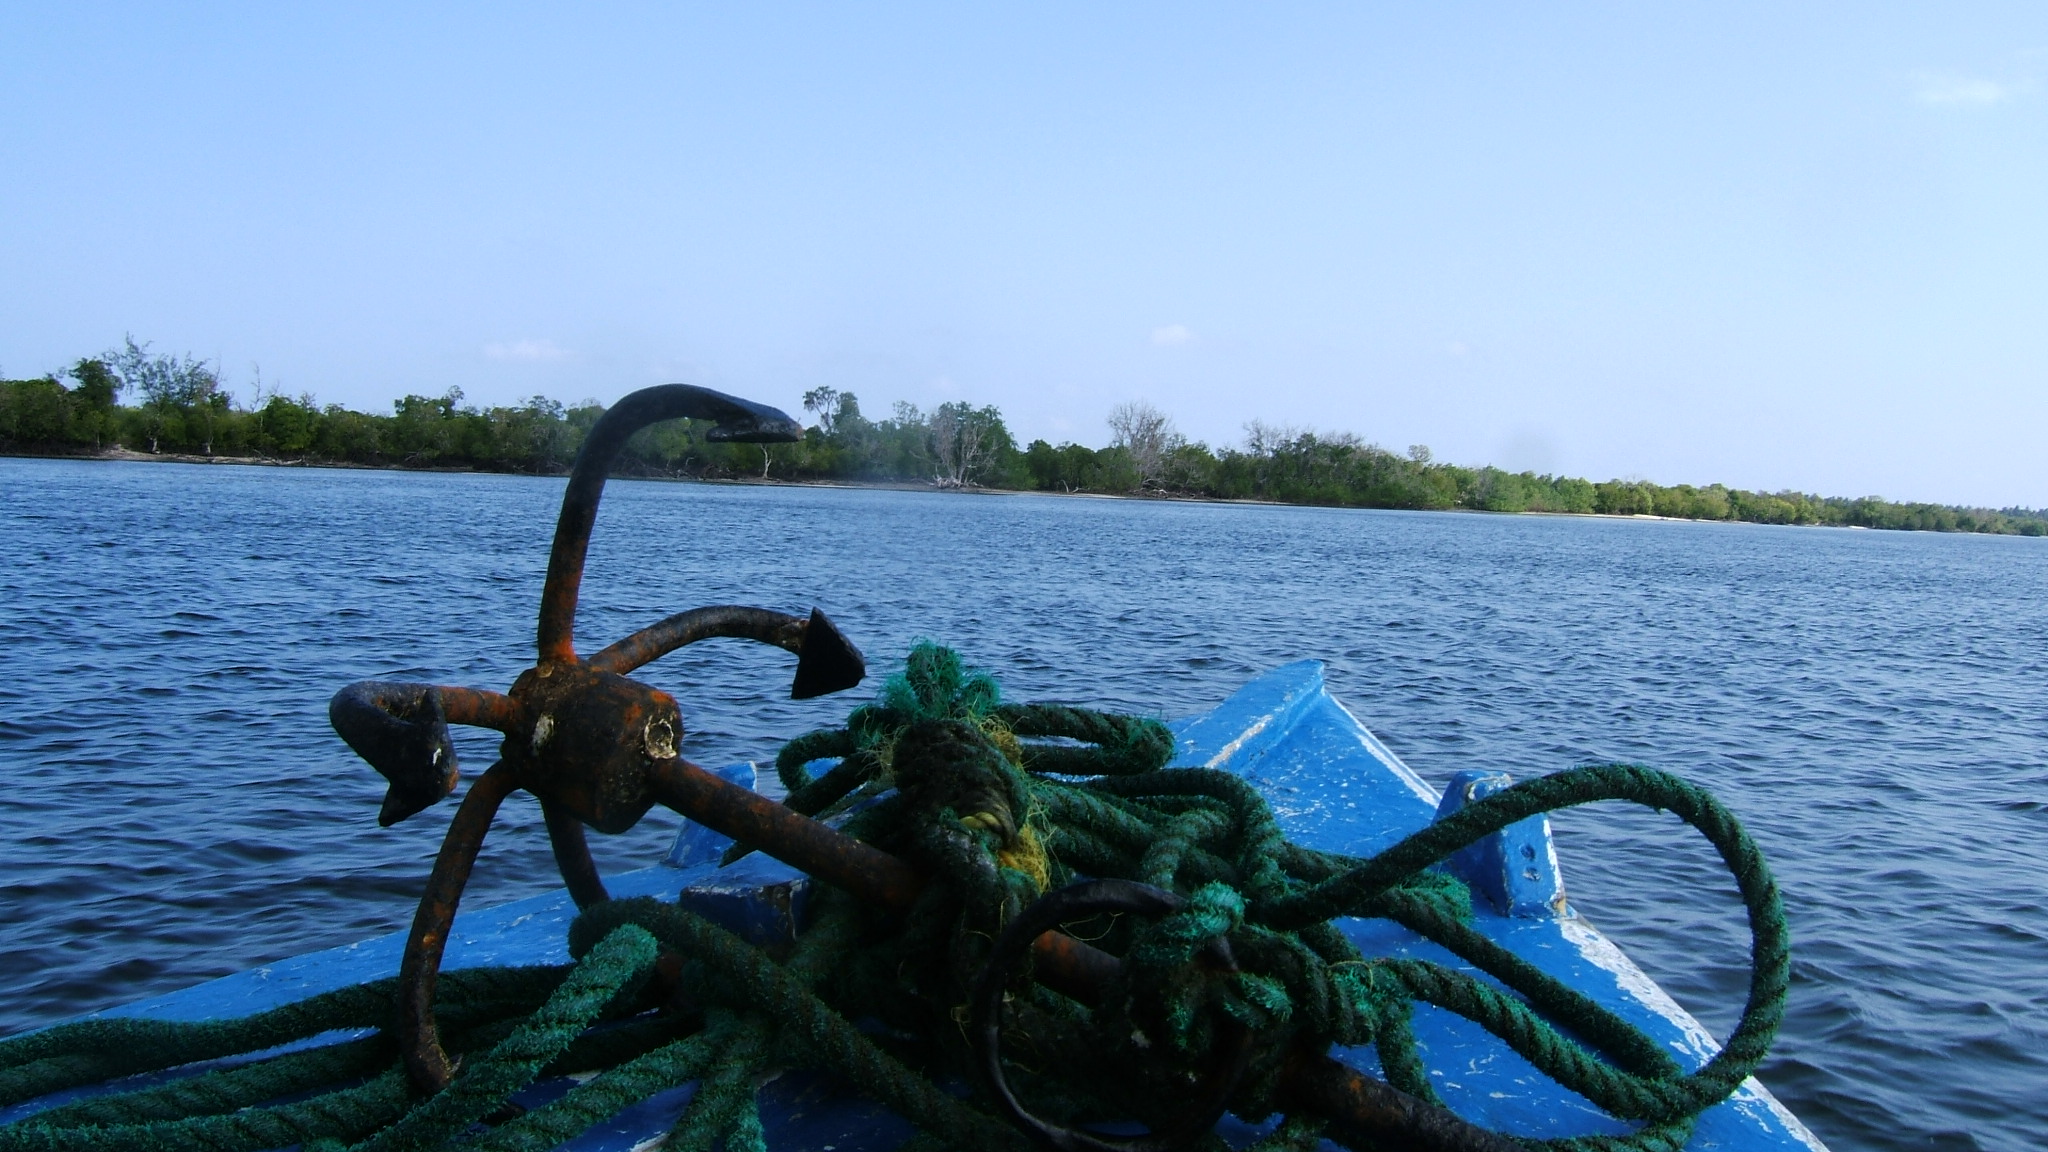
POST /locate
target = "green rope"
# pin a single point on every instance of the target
(1651, 1098)
(733, 972)
(481, 1087)
(610, 1093)
(1118, 744)
(995, 803)
(227, 1089)
(725, 1096)
(215, 1111)
(790, 762)
(348, 1113)
(1211, 837)
(91, 1051)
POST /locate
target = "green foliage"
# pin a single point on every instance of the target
(92, 402)
(43, 414)
(33, 411)
(180, 407)
(1076, 468)
(1625, 498)
(285, 427)
(182, 403)
(969, 445)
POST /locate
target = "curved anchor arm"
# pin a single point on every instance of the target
(572, 855)
(737, 420)
(402, 731)
(827, 661)
(419, 1038)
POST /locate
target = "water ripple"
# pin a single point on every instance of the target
(1871, 703)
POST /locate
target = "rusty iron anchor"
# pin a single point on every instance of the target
(599, 749)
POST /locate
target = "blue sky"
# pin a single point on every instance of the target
(1769, 245)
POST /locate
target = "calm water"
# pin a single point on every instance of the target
(1873, 705)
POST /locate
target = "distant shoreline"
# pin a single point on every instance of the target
(130, 456)
(957, 446)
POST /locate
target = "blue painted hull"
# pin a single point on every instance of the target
(1333, 785)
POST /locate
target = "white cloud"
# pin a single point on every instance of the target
(1172, 334)
(1947, 89)
(529, 350)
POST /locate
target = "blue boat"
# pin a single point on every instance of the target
(1172, 1024)
(1334, 785)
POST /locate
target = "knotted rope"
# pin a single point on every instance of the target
(998, 804)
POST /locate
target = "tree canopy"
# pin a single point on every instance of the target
(181, 407)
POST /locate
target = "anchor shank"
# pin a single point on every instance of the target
(812, 846)
(1371, 1113)
(1066, 965)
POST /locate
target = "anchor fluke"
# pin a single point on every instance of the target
(401, 730)
(737, 421)
(828, 662)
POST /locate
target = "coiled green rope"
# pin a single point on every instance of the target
(996, 803)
